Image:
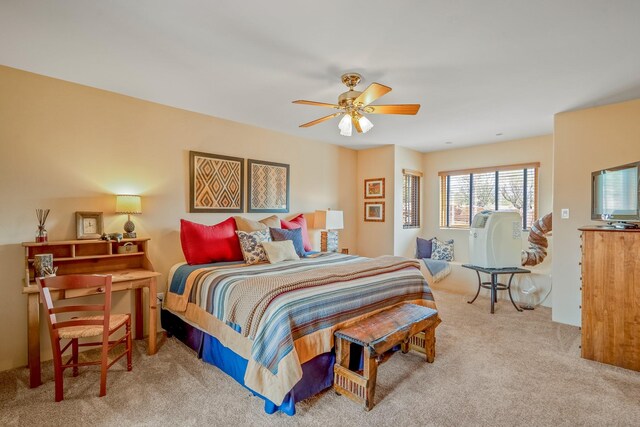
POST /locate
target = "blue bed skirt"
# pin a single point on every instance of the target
(317, 373)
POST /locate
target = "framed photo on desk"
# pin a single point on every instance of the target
(89, 225)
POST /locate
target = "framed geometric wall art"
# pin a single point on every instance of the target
(216, 183)
(268, 186)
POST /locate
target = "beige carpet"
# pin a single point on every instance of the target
(509, 368)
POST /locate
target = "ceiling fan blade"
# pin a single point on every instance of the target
(356, 124)
(320, 120)
(318, 104)
(371, 93)
(410, 109)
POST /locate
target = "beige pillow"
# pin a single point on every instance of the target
(280, 251)
(245, 224)
(271, 221)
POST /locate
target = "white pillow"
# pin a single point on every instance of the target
(280, 251)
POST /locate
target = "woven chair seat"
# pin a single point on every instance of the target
(91, 324)
(115, 321)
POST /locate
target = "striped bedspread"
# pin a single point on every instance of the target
(299, 305)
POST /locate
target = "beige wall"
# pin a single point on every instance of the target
(405, 239)
(537, 149)
(376, 238)
(585, 141)
(70, 148)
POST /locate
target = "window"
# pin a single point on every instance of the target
(410, 198)
(465, 193)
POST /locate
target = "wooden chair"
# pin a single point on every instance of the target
(93, 325)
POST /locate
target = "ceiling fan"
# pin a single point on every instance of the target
(353, 105)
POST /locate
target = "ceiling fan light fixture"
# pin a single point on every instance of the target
(345, 125)
(352, 104)
(365, 124)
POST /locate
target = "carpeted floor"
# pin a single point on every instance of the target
(507, 369)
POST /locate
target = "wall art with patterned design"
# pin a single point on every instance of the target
(216, 183)
(268, 186)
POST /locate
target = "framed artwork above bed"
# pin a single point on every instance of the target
(268, 186)
(216, 183)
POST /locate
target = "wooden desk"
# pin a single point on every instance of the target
(131, 272)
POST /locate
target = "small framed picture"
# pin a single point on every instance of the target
(89, 225)
(374, 211)
(374, 188)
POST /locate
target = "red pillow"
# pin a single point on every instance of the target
(298, 222)
(202, 244)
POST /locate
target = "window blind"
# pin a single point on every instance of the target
(464, 193)
(410, 200)
(458, 187)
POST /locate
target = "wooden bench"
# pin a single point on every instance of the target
(409, 325)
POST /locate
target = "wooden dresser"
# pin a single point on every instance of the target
(130, 271)
(611, 296)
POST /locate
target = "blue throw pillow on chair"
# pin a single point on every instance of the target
(295, 235)
(423, 248)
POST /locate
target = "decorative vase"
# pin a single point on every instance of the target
(528, 292)
(42, 235)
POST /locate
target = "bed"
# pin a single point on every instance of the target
(270, 326)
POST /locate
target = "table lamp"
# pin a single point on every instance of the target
(330, 221)
(128, 204)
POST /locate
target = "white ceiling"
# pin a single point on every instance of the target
(477, 67)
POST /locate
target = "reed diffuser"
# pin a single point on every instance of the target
(41, 233)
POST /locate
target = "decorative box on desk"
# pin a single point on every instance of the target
(130, 271)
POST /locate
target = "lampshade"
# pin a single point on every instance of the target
(365, 124)
(345, 125)
(127, 204)
(328, 220)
